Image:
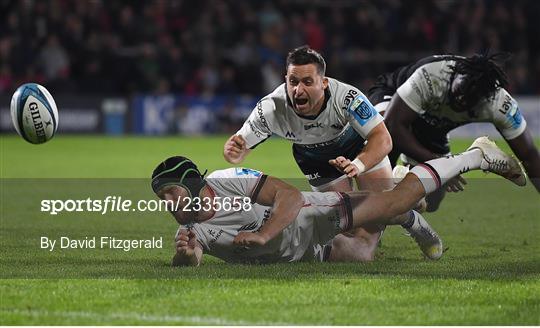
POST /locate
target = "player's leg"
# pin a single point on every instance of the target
(358, 244)
(355, 245)
(381, 178)
(366, 239)
(437, 142)
(384, 208)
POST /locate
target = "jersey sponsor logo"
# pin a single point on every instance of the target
(257, 133)
(245, 171)
(348, 98)
(509, 105)
(428, 81)
(511, 111)
(264, 122)
(290, 135)
(312, 126)
(361, 110)
(215, 235)
(313, 176)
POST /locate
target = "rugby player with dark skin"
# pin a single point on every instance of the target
(469, 85)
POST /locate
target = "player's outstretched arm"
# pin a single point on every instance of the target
(286, 202)
(188, 250)
(235, 150)
(399, 118)
(525, 150)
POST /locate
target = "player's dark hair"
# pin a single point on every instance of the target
(178, 171)
(483, 72)
(304, 55)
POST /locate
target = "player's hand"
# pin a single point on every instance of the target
(456, 184)
(234, 149)
(185, 243)
(250, 239)
(345, 166)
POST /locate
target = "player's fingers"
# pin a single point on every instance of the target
(238, 140)
(455, 187)
(462, 180)
(233, 148)
(351, 174)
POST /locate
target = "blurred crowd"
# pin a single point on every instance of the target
(239, 47)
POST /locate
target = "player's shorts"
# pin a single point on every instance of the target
(323, 216)
(436, 140)
(313, 161)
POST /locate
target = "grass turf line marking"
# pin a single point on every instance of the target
(140, 317)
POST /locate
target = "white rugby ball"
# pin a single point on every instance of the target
(34, 113)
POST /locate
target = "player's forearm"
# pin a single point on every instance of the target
(406, 142)
(379, 145)
(287, 205)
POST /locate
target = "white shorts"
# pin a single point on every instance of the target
(323, 216)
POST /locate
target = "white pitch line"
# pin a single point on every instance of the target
(141, 317)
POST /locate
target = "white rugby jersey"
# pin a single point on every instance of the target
(427, 93)
(346, 108)
(316, 224)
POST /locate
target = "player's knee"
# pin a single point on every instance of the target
(352, 249)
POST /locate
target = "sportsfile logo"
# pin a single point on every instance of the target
(117, 204)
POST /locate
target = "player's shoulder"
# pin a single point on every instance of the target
(437, 65)
(235, 172)
(342, 93)
(275, 100)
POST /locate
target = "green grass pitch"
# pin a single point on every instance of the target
(489, 274)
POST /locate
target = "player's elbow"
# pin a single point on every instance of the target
(385, 144)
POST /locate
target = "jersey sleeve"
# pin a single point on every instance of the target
(359, 112)
(506, 115)
(237, 182)
(418, 89)
(256, 128)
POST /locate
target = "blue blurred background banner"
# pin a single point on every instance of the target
(189, 115)
(194, 115)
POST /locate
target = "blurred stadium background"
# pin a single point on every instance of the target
(197, 67)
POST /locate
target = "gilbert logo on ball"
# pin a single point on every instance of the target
(34, 113)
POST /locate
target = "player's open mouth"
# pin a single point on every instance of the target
(300, 101)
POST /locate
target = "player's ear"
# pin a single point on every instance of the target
(325, 82)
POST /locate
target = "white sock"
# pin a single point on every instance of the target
(436, 172)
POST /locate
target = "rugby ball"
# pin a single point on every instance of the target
(34, 113)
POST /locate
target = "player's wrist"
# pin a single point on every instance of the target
(360, 166)
(265, 236)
